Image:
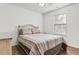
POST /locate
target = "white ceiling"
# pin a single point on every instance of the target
(36, 7)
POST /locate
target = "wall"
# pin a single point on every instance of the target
(72, 13)
(11, 16)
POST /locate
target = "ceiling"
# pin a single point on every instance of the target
(37, 8)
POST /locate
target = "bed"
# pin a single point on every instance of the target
(33, 42)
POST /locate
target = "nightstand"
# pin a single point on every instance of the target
(5, 46)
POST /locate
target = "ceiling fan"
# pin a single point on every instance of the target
(44, 4)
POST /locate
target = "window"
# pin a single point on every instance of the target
(60, 24)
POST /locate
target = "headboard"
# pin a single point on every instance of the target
(20, 27)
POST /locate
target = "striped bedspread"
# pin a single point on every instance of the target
(40, 43)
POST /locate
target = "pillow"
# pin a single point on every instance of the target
(20, 32)
(35, 31)
(27, 31)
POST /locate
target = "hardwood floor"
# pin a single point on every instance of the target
(17, 51)
(62, 52)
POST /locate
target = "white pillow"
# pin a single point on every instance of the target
(35, 30)
(27, 30)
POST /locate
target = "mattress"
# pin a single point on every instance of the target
(40, 43)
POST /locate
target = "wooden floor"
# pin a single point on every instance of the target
(16, 51)
(63, 52)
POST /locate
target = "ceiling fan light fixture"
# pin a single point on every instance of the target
(42, 4)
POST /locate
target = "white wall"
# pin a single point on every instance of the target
(48, 23)
(11, 16)
(72, 21)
